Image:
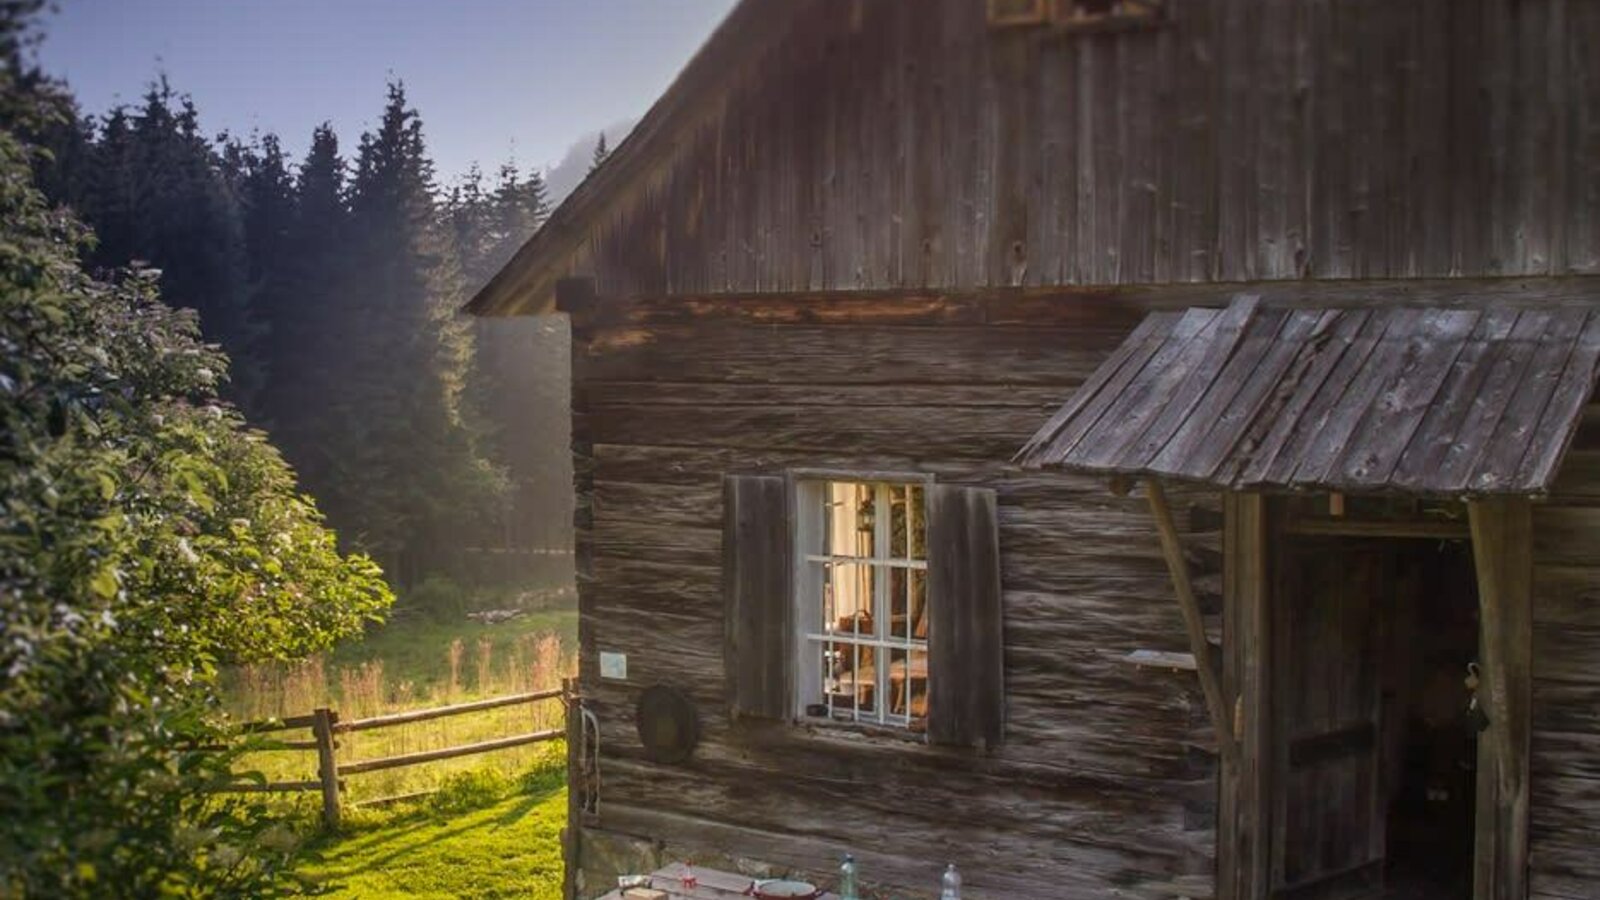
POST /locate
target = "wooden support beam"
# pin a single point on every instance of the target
(1244, 812)
(1502, 550)
(1210, 682)
(1340, 526)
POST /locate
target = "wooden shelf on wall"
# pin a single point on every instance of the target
(1161, 659)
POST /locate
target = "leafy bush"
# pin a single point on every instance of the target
(474, 789)
(146, 537)
(438, 597)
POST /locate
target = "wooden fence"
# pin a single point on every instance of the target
(326, 727)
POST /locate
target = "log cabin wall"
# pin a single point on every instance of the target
(1565, 760)
(1105, 779)
(890, 144)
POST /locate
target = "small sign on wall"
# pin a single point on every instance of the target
(613, 665)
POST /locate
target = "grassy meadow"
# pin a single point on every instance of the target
(485, 825)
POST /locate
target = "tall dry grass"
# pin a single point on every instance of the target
(533, 662)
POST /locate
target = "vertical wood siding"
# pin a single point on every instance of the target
(890, 144)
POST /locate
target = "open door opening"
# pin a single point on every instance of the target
(1373, 744)
(1430, 734)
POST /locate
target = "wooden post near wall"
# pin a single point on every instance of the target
(1243, 810)
(572, 702)
(1502, 551)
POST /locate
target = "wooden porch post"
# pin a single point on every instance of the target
(1243, 840)
(1502, 551)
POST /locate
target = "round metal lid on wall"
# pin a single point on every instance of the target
(669, 725)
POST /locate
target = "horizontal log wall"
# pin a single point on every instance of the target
(1106, 777)
(1106, 780)
(1566, 669)
(894, 144)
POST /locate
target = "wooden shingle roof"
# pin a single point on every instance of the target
(1392, 399)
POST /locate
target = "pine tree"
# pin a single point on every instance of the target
(404, 461)
(600, 153)
(158, 194)
(519, 362)
(265, 188)
(305, 309)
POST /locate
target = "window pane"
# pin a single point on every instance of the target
(853, 686)
(850, 516)
(899, 530)
(848, 604)
(917, 533)
(830, 675)
(899, 603)
(908, 683)
(917, 603)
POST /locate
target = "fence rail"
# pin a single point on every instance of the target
(325, 727)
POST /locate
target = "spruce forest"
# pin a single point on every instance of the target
(333, 283)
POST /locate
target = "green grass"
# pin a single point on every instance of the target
(491, 827)
(507, 848)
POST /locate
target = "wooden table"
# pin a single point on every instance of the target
(713, 885)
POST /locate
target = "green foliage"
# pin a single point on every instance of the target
(156, 191)
(146, 536)
(438, 597)
(464, 791)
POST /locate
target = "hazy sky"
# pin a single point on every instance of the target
(491, 77)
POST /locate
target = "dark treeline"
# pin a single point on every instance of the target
(333, 282)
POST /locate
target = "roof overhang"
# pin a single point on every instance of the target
(1389, 399)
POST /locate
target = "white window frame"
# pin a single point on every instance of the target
(810, 540)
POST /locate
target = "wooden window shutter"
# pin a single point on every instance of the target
(758, 584)
(966, 693)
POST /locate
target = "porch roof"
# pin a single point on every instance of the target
(1390, 399)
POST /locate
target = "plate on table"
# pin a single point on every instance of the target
(784, 890)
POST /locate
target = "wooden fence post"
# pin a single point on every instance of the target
(571, 702)
(327, 762)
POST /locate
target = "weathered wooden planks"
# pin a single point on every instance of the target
(966, 642)
(821, 146)
(1104, 769)
(1429, 401)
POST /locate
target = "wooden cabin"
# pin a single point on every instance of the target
(1125, 448)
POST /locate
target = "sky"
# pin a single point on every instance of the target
(493, 79)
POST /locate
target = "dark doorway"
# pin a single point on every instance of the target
(1375, 760)
(1430, 737)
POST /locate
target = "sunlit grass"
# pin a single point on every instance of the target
(480, 837)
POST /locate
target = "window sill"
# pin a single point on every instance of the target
(821, 726)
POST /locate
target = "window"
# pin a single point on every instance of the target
(1080, 15)
(867, 599)
(861, 616)
(1077, 15)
